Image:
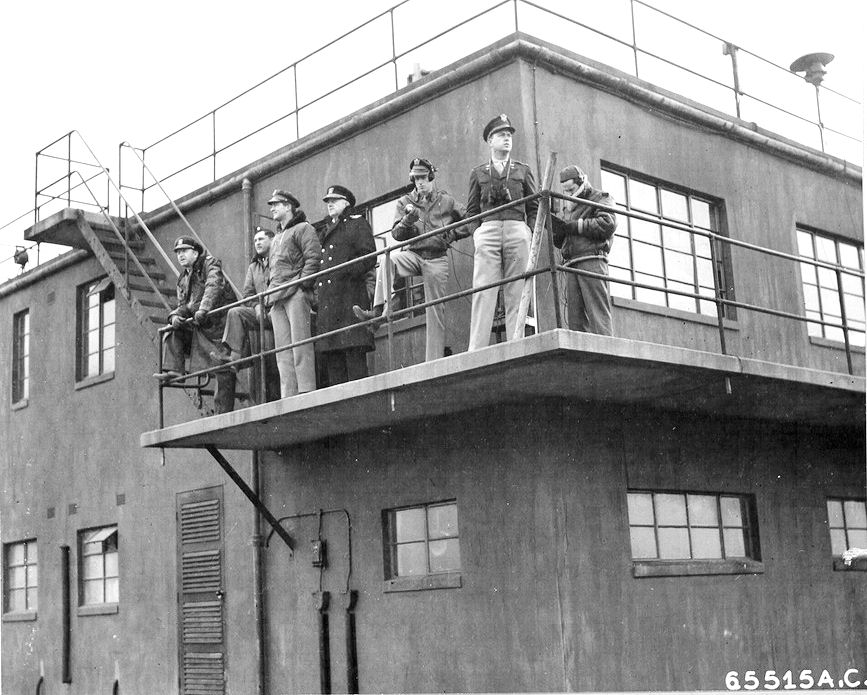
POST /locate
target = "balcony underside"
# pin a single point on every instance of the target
(555, 364)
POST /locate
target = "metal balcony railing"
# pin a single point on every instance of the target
(553, 269)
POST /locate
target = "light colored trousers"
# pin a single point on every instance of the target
(435, 274)
(502, 250)
(290, 319)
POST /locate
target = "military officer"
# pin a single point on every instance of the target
(502, 241)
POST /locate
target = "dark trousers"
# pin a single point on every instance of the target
(341, 366)
(587, 299)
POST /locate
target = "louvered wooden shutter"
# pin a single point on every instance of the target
(201, 629)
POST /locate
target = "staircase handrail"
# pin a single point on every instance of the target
(175, 207)
(123, 242)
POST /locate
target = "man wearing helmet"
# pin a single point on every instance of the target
(425, 208)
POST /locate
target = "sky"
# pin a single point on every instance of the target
(122, 71)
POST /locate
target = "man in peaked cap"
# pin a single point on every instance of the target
(344, 237)
(422, 210)
(584, 233)
(502, 241)
(202, 288)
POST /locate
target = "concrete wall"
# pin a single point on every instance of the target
(548, 600)
(81, 447)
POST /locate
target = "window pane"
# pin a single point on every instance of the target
(805, 244)
(647, 232)
(445, 555)
(15, 554)
(442, 522)
(643, 542)
(701, 213)
(855, 513)
(409, 524)
(808, 274)
(17, 598)
(32, 575)
(17, 577)
(673, 544)
(849, 255)
(670, 510)
(619, 289)
(702, 245)
(111, 564)
(677, 240)
(674, 206)
(649, 296)
(647, 259)
(811, 298)
(619, 254)
(92, 365)
(642, 196)
(732, 514)
(108, 361)
(640, 508)
(108, 314)
(32, 555)
(702, 510)
(838, 541)
(679, 301)
(704, 269)
(826, 249)
(93, 591)
(32, 599)
(852, 284)
(614, 185)
(827, 278)
(108, 337)
(111, 590)
(735, 542)
(706, 543)
(92, 566)
(830, 302)
(411, 559)
(678, 266)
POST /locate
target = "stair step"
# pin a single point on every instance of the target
(120, 257)
(152, 303)
(159, 320)
(115, 245)
(155, 275)
(143, 287)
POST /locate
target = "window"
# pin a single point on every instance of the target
(670, 259)
(422, 540)
(21, 577)
(847, 523)
(95, 329)
(821, 291)
(98, 576)
(21, 356)
(688, 527)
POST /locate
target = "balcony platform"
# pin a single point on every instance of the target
(62, 228)
(555, 364)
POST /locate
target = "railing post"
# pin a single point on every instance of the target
(535, 243)
(214, 142)
(730, 49)
(819, 118)
(842, 297)
(297, 107)
(69, 170)
(718, 291)
(555, 280)
(387, 308)
(393, 50)
(634, 39)
(263, 382)
(515, 5)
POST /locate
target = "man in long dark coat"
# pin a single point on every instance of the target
(344, 237)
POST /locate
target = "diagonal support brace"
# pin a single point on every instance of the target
(252, 496)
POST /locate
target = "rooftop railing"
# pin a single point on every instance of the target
(396, 47)
(554, 268)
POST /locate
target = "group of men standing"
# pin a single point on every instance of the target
(345, 244)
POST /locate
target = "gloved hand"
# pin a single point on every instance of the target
(410, 215)
(200, 316)
(176, 321)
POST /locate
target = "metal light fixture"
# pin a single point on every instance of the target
(813, 65)
(20, 257)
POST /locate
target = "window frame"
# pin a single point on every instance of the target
(837, 240)
(103, 535)
(749, 563)
(837, 559)
(21, 357)
(431, 579)
(29, 612)
(84, 330)
(719, 252)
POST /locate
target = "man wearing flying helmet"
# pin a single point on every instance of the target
(424, 209)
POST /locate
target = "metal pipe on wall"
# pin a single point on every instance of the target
(321, 600)
(258, 579)
(65, 632)
(351, 645)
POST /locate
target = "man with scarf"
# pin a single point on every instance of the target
(425, 208)
(202, 288)
(583, 233)
(502, 242)
(295, 253)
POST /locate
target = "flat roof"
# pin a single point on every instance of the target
(555, 364)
